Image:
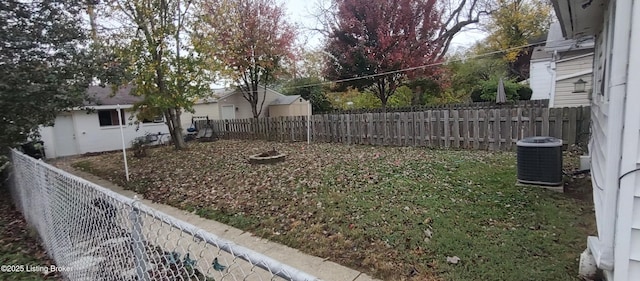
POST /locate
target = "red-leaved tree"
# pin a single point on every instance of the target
(378, 39)
(247, 41)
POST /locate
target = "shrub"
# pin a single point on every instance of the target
(488, 89)
(524, 93)
(476, 95)
(139, 147)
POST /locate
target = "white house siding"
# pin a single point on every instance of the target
(93, 138)
(90, 137)
(540, 79)
(598, 153)
(46, 134)
(599, 148)
(615, 145)
(631, 146)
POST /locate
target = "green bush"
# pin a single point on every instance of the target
(488, 89)
(476, 95)
(524, 93)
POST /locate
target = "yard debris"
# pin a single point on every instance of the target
(427, 221)
(453, 260)
(427, 235)
(413, 272)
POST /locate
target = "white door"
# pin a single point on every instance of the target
(228, 112)
(64, 136)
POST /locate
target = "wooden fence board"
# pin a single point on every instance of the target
(487, 128)
(456, 128)
(573, 115)
(496, 129)
(426, 127)
(507, 130)
(476, 129)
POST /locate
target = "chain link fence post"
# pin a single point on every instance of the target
(140, 254)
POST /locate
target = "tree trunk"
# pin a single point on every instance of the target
(255, 95)
(176, 129)
(384, 105)
(254, 109)
(92, 22)
(382, 94)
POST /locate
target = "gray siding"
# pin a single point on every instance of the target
(564, 95)
(581, 61)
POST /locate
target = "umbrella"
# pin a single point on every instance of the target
(501, 96)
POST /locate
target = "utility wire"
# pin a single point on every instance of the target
(415, 67)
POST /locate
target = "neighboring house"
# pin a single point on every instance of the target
(81, 131)
(558, 65)
(289, 106)
(96, 127)
(614, 146)
(207, 107)
(232, 105)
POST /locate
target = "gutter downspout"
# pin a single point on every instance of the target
(552, 70)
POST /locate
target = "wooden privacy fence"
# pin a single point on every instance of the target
(492, 129)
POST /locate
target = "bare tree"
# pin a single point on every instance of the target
(456, 16)
(460, 15)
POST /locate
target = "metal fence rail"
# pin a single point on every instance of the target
(93, 233)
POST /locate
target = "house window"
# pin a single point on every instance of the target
(156, 119)
(110, 117)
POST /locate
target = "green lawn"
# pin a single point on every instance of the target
(395, 213)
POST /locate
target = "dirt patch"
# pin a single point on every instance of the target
(269, 153)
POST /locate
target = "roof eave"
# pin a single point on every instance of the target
(579, 18)
(563, 13)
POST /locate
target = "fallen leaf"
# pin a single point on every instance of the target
(453, 260)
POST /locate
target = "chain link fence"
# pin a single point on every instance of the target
(93, 233)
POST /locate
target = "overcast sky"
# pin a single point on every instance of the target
(300, 12)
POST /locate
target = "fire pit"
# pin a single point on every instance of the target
(268, 157)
